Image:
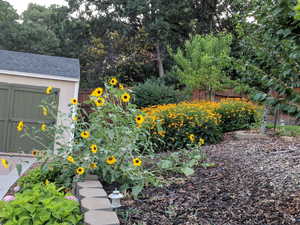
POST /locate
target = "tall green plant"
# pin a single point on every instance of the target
(201, 62)
(268, 61)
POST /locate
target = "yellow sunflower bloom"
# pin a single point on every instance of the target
(85, 134)
(113, 81)
(93, 165)
(137, 162)
(43, 127)
(44, 111)
(139, 119)
(70, 159)
(94, 148)
(80, 170)
(20, 126)
(192, 137)
(201, 141)
(74, 101)
(111, 160)
(4, 163)
(97, 92)
(49, 90)
(121, 86)
(74, 118)
(35, 152)
(99, 102)
(125, 97)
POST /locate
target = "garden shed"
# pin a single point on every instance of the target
(24, 78)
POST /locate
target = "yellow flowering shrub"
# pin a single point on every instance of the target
(179, 125)
(176, 126)
(237, 114)
(107, 140)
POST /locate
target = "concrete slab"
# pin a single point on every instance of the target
(8, 176)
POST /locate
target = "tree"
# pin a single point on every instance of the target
(297, 9)
(8, 25)
(268, 61)
(164, 21)
(201, 63)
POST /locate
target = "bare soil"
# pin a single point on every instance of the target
(255, 182)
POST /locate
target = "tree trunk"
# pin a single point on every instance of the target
(264, 120)
(159, 61)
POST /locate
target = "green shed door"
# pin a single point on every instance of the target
(4, 106)
(23, 103)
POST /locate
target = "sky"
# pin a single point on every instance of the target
(21, 5)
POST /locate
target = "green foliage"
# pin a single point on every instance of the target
(172, 125)
(54, 172)
(201, 63)
(286, 130)
(180, 162)
(237, 115)
(268, 61)
(43, 204)
(297, 9)
(156, 92)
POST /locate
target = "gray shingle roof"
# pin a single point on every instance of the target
(39, 64)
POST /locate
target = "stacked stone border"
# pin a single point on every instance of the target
(94, 202)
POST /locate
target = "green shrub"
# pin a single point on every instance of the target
(177, 126)
(156, 92)
(237, 115)
(53, 172)
(43, 204)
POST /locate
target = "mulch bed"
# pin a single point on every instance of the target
(254, 182)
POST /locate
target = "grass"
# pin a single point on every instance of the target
(287, 130)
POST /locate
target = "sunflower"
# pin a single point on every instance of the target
(44, 111)
(74, 118)
(113, 81)
(201, 141)
(43, 127)
(137, 162)
(85, 134)
(111, 160)
(125, 97)
(20, 126)
(121, 86)
(49, 90)
(4, 163)
(139, 119)
(70, 159)
(192, 137)
(97, 92)
(99, 102)
(74, 101)
(35, 152)
(93, 165)
(94, 148)
(80, 170)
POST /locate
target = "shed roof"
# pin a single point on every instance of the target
(39, 64)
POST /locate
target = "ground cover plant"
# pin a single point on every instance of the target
(41, 204)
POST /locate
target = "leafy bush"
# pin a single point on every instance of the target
(55, 172)
(237, 114)
(156, 92)
(43, 204)
(107, 141)
(176, 126)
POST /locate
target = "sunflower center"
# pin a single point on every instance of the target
(137, 161)
(110, 158)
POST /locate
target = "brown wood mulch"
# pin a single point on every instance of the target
(255, 182)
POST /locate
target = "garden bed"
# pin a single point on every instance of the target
(255, 182)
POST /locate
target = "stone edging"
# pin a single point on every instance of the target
(94, 202)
